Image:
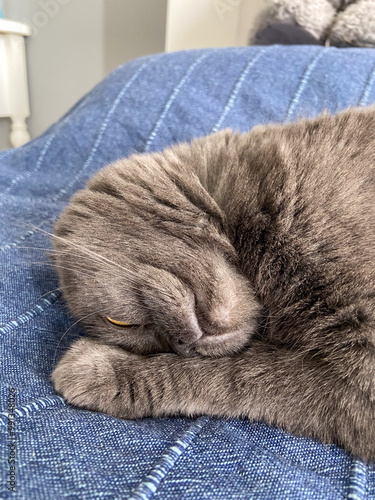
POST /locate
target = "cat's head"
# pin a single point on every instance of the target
(145, 262)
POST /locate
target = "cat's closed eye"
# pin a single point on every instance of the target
(121, 323)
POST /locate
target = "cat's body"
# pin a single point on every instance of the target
(248, 262)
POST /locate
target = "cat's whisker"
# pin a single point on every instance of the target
(135, 288)
(95, 256)
(52, 252)
(55, 290)
(67, 331)
(34, 248)
(47, 293)
(80, 270)
(23, 224)
(132, 277)
(89, 254)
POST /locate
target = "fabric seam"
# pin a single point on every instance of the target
(236, 89)
(367, 88)
(39, 307)
(302, 85)
(171, 100)
(150, 484)
(36, 405)
(357, 481)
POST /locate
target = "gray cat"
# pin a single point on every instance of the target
(233, 276)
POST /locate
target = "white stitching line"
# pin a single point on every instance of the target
(39, 307)
(172, 98)
(149, 485)
(102, 129)
(39, 404)
(357, 481)
(236, 89)
(366, 91)
(8, 246)
(43, 153)
(92, 152)
(37, 166)
(64, 120)
(302, 85)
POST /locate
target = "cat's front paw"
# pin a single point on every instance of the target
(98, 377)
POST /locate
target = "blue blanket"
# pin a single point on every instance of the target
(58, 451)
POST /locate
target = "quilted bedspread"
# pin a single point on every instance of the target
(51, 450)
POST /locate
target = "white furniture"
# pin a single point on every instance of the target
(14, 96)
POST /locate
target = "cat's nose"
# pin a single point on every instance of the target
(182, 348)
(186, 331)
(184, 338)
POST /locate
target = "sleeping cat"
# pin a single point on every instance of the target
(233, 276)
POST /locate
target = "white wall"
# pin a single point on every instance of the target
(133, 28)
(77, 42)
(193, 24)
(64, 54)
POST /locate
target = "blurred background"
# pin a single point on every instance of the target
(75, 43)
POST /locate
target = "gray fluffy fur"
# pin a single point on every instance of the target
(249, 263)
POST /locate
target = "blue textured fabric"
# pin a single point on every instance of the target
(65, 452)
